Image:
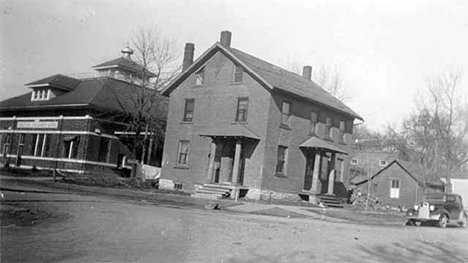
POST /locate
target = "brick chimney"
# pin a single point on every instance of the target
(188, 56)
(226, 38)
(307, 72)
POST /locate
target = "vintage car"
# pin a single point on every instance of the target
(439, 208)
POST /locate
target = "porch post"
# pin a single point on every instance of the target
(235, 169)
(331, 182)
(315, 175)
(209, 173)
(331, 177)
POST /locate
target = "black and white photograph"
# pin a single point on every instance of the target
(233, 131)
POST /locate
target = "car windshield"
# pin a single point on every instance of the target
(435, 197)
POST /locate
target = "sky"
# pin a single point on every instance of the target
(383, 49)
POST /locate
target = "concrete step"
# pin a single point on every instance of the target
(330, 201)
(215, 186)
(205, 196)
(209, 191)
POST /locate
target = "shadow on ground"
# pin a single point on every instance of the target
(420, 251)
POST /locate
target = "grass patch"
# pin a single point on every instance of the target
(363, 216)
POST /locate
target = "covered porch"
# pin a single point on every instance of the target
(321, 171)
(230, 147)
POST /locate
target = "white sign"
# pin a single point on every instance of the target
(38, 124)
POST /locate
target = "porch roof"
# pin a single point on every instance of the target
(315, 142)
(230, 131)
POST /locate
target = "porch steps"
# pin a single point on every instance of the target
(330, 201)
(213, 192)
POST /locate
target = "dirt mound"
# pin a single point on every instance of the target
(14, 215)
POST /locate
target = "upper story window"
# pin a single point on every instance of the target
(313, 122)
(329, 121)
(342, 126)
(285, 113)
(40, 94)
(382, 163)
(238, 73)
(189, 107)
(200, 77)
(354, 161)
(242, 107)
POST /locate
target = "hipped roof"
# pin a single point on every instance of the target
(230, 131)
(58, 81)
(270, 76)
(127, 64)
(103, 93)
(317, 143)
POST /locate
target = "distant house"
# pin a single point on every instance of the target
(399, 183)
(73, 125)
(459, 185)
(363, 162)
(238, 121)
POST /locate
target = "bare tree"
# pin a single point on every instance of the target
(329, 78)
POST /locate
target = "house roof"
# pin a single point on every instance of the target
(411, 169)
(99, 93)
(230, 131)
(271, 76)
(57, 81)
(315, 142)
(125, 63)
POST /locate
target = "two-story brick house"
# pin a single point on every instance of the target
(241, 122)
(73, 124)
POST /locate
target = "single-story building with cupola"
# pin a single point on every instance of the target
(75, 124)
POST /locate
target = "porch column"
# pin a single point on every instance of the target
(331, 182)
(235, 169)
(315, 174)
(209, 173)
(332, 172)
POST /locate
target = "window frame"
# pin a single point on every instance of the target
(284, 115)
(200, 77)
(395, 186)
(283, 163)
(354, 161)
(314, 117)
(244, 111)
(187, 112)
(383, 163)
(238, 75)
(186, 154)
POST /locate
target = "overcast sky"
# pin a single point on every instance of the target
(383, 48)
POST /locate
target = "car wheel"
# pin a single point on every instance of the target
(410, 222)
(443, 221)
(464, 222)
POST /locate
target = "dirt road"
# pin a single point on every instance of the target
(71, 227)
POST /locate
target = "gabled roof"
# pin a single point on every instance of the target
(125, 63)
(270, 76)
(58, 81)
(103, 93)
(411, 169)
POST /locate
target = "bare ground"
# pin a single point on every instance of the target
(90, 228)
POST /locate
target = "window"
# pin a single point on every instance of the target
(6, 139)
(188, 112)
(281, 160)
(395, 189)
(70, 147)
(354, 161)
(200, 77)
(39, 145)
(329, 121)
(382, 163)
(242, 106)
(238, 73)
(40, 94)
(342, 126)
(104, 150)
(313, 122)
(182, 156)
(285, 110)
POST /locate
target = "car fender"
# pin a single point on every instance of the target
(441, 211)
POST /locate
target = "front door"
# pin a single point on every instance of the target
(309, 171)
